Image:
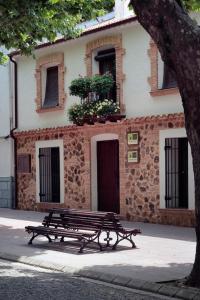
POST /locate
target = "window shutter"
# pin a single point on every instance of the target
(169, 80)
(51, 92)
(24, 163)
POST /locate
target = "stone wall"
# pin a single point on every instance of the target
(6, 192)
(139, 182)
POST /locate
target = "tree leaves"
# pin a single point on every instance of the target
(25, 23)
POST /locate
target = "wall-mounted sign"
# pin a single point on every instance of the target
(133, 138)
(133, 156)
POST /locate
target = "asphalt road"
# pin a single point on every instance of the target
(19, 281)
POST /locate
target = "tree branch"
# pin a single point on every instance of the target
(168, 23)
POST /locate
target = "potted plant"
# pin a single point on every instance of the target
(94, 107)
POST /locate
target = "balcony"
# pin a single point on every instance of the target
(95, 103)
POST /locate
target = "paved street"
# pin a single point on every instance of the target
(19, 281)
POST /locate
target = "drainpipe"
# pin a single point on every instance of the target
(15, 203)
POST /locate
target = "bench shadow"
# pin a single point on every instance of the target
(163, 231)
(72, 247)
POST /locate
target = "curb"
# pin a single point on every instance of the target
(186, 293)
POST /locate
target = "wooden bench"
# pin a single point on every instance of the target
(86, 226)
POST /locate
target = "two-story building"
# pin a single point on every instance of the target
(141, 166)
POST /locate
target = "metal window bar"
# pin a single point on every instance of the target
(176, 172)
(49, 173)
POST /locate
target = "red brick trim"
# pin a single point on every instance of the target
(153, 79)
(165, 92)
(136, 121)
(42, 63)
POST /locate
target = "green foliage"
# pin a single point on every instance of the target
(81, 87)
(192, 5)
(78, 113)
(100, 85)
(24, 23)
(3, 59)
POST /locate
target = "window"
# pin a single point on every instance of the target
(162, 80)
(169, 80)
(176, 172)
(107, 64)
(96, 48)
(49, 174)
(51, 92)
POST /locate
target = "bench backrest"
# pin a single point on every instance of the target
(83, 220)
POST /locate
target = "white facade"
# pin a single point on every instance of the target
(5, 121)
(136, 88)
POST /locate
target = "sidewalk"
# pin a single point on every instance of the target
(163, 253)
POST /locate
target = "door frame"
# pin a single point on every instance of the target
(175, 133)
(94, 140)
(47, 144)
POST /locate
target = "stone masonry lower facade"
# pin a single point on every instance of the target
(139, 182)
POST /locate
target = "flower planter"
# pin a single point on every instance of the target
(115, 117)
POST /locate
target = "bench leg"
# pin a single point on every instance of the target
(121, 237)
(85, 242)
(47, 236)
(32, 238)
(35, 235)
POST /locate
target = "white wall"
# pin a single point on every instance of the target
(75, 65)
(6, 158)
(136, 67)
(138, 100)
(4, 101)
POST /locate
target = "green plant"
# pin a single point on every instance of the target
(99, 85)
(81, 87)
(76, 114)
(102, 84)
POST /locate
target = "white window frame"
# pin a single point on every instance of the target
(50, 144)
(175, 133)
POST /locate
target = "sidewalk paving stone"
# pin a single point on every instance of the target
(160, 255)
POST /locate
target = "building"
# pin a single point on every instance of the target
(139, 167)
(6, 142)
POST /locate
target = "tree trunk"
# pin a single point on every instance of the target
(178, 39)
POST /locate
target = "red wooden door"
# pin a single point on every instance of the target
(108, 175)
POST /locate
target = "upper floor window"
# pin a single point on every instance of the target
(50, 82)
(169, 80)
(107, 64)
(162, 79)
(106, 55)
(51, 98)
